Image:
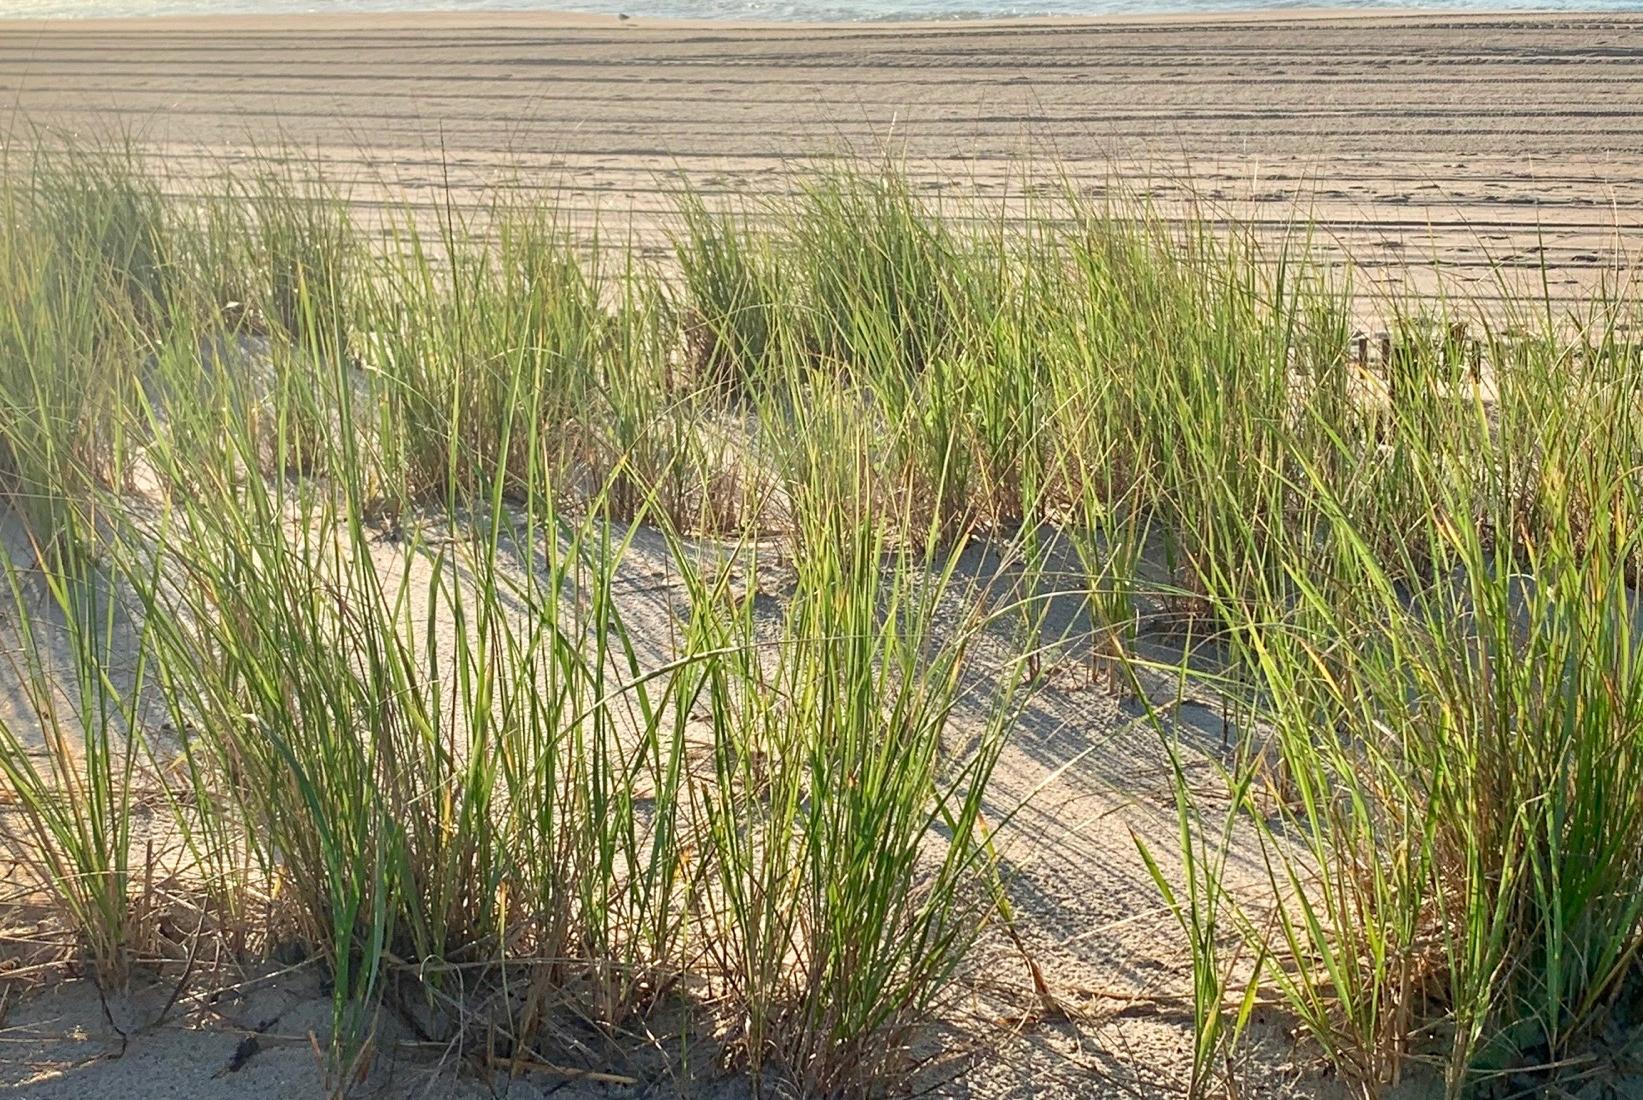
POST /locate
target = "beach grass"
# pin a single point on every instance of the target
(330, 549)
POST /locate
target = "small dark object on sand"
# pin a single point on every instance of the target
(243, 1053)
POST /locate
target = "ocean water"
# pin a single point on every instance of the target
(782, 10)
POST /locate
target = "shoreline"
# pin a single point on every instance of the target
(555, 19)
(1413, 16)
(528, 18)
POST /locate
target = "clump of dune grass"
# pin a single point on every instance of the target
(733, 300)
(1453, 791)
(87, 274)
(372, 515)
(437, 743)
(834, 922)
(1430, 672)
(68, 757)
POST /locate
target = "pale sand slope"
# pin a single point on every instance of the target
(1487, 142)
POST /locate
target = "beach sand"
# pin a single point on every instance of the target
(1488, 143)
(1492, 145)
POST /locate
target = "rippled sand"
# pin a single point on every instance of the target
(1489, 144)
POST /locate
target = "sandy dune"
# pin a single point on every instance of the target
(1083, 776)
(1488, 144)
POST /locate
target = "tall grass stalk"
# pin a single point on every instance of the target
(70, 754)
